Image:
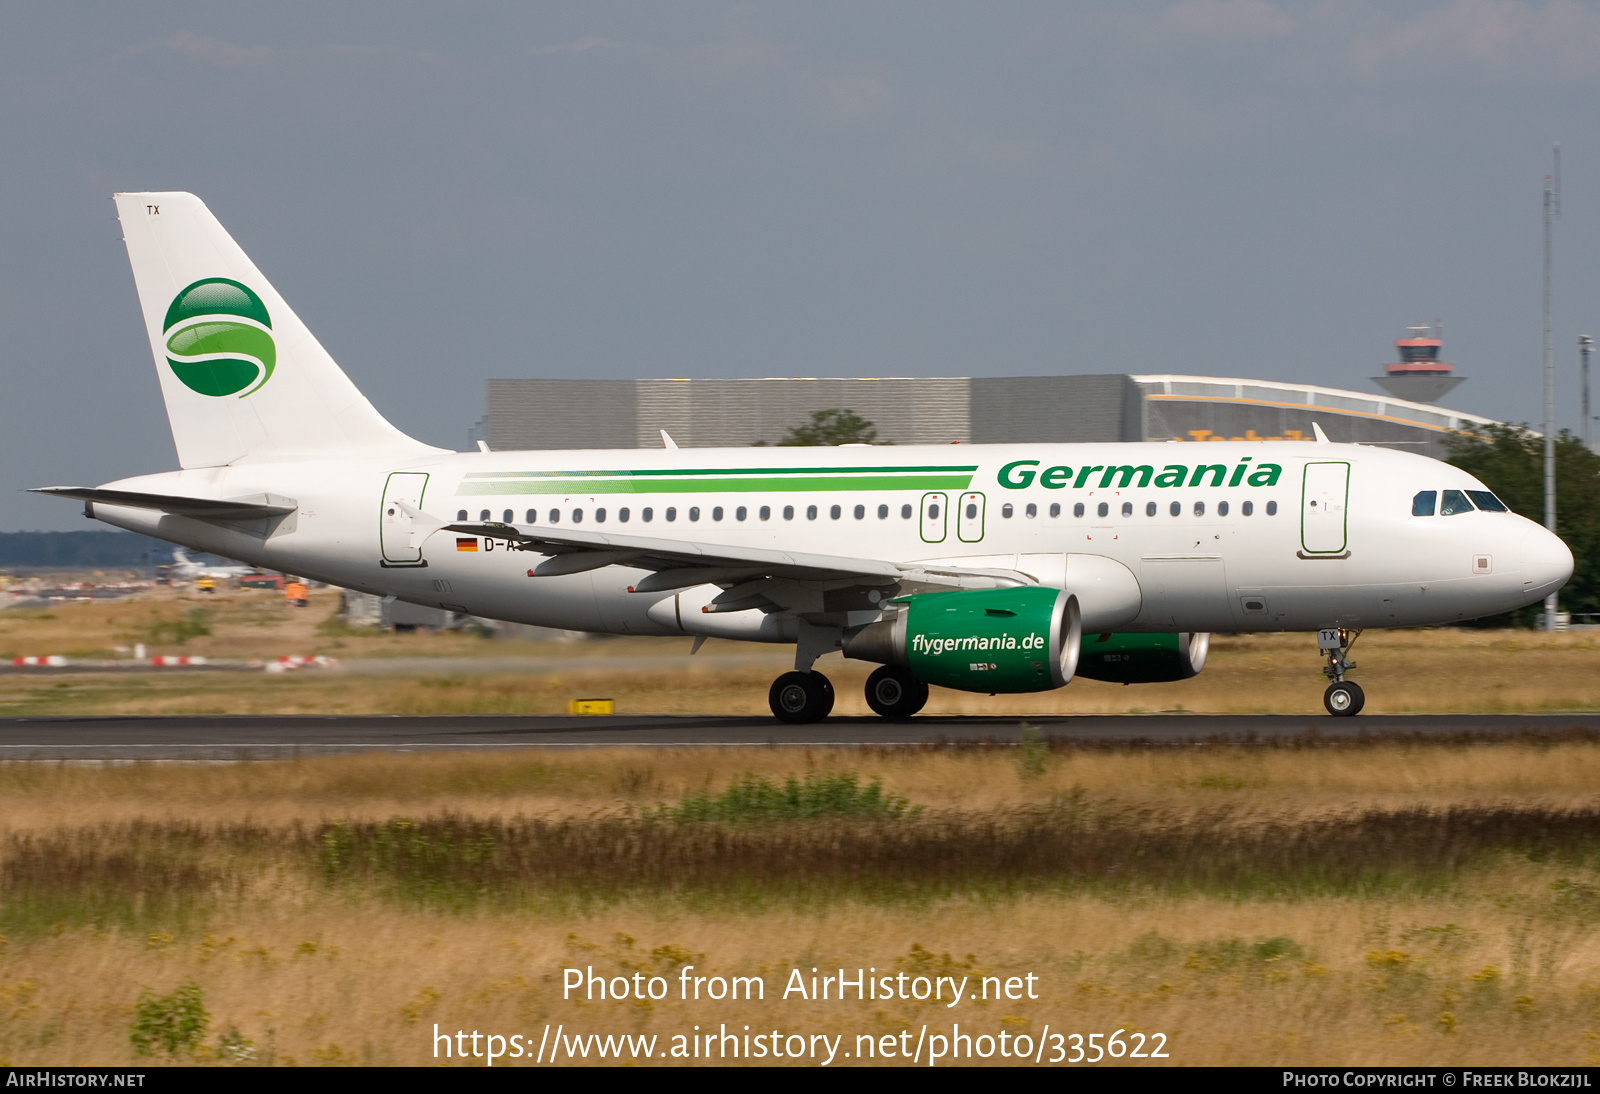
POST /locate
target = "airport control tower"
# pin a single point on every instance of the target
(1419, 376)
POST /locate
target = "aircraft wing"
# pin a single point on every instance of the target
(256, 507)
(751, 574)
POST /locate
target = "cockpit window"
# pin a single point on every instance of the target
(1455, 501)
(1424, 503)
(1487, 501)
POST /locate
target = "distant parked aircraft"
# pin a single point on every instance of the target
(185, 567)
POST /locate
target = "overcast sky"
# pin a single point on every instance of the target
(449, 193)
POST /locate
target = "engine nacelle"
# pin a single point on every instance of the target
(987, 640)
(1143, 658)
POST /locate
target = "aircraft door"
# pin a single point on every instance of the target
(933, 517)
(1326, 492)
(969, 520)
(395, 526)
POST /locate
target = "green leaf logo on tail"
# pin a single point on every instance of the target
(219, 338)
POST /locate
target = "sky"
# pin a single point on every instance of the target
(450, 193)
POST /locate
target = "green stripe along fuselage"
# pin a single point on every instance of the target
(719, 480)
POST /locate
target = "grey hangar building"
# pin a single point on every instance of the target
(730, 413)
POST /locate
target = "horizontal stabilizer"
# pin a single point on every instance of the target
(255, 507)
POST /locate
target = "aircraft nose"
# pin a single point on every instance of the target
(1546, 563)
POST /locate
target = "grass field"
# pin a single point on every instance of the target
(1307, 903)
(1434, 670)
(1301, 901)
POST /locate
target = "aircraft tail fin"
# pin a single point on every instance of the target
(241, 375)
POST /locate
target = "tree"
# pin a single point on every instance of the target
(1509, 460)
(833, 426)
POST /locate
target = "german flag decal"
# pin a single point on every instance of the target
(467, 544)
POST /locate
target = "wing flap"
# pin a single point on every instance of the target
(656, 553)
(762, 575)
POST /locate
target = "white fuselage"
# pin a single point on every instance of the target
(1220, 537)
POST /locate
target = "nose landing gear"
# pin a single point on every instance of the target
(1344, 698)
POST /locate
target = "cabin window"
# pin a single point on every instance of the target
(1104, 510)
(672, 512)
(1455, 501)
(740, 513)
(883, 512)
(577, 516)
(1247, 508)
(694, 512)
(811, 512)
(1077, 510)
(1272, 508)
(555, 516)
(508, 517)
(483, 514)
(533, 516)
(599, 516)
(835, 512)
(788, 512)
(1149, 508)
(861, 512)
(647, 514)
(905, 512)
(1424, 504)
(1175, 508)
(622, 515)
(1487, 501)
(1031, 511)
(1199, 508)
(461, 514)
(1005, 510)
(1127, 508)
(765, 512)
(1055, 509)
(716, 512)
(933, 512)
(1222, 508)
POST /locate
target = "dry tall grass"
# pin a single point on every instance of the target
(1292, 778)
(1366, 903)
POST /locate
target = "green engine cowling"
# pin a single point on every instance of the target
(987, 640)
(1143, 658)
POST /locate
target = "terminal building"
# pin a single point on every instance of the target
(714, 413)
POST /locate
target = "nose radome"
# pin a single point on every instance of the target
(1545, 561)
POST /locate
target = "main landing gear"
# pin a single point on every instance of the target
(800, 697)
(895, 693)
(1344, 698)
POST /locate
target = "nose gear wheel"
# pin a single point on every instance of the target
(1344, 700)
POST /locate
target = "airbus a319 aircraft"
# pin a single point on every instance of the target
(986, 568)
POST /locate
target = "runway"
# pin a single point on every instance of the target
(265, 737)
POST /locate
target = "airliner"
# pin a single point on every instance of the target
(187, 568)
(995, 568)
